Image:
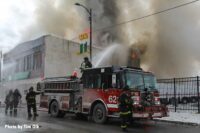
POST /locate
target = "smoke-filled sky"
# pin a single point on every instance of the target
(170, 41)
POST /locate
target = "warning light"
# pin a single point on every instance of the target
(74, 74)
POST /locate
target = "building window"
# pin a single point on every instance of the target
(17, 66)
(37, 59)
(25, 63)
(28, 63)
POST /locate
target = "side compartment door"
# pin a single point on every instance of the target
(43, 98)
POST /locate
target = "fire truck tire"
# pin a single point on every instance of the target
(54, 109)
(99, 114)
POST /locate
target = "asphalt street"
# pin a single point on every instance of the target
(46, 124)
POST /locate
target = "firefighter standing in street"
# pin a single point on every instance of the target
(31, 102)
(17, 96)
(9, 102)
(86, 63)
(125, 108)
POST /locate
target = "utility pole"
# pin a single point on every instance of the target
(90, 34)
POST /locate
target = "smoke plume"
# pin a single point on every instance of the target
(58, 17)
(168, 42)
(176, 50)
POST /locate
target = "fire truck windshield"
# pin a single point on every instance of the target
(150, 81)
(136, 80)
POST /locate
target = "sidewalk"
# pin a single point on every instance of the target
(182, 118)
(174, 117)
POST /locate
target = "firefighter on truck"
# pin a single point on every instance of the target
(85, 64)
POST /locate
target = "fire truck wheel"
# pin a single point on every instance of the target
(99, 113)
(54, 109)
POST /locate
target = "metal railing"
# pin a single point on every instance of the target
(180, 94)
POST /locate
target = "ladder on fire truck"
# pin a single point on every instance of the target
(61, 84)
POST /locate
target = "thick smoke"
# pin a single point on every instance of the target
(58, 17)
(168, 42)
(111, 12)
(177, 42)
(105, 13)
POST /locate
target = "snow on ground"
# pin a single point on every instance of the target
(182, 117)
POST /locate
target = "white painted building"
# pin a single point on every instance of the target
(30, 62)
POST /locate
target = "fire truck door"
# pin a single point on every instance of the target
(111, 91)
(111, 96)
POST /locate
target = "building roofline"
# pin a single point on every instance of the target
(44, 36)
(25, 42)
(74, 42)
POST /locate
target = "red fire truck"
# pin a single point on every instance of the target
(96, 93)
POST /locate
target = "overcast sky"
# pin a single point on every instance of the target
(15, 16)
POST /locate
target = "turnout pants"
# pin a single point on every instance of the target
(31, 106)
(15, 107)
(9, 105)
(125, 119)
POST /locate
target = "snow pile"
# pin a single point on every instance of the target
(182, 117)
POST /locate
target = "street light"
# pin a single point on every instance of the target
(90, 20)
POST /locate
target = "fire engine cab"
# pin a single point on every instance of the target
(96, 93)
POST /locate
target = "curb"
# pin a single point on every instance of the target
(178, 122)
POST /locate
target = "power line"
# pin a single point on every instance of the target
(146, 16)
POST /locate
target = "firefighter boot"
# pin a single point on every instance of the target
(124, 130)
(10, 112)
(29, 115)
(15, 111)
(29, 110)
(6, 109)
(35, 110)
(35, 115)
(124, 126)
(34, 118)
